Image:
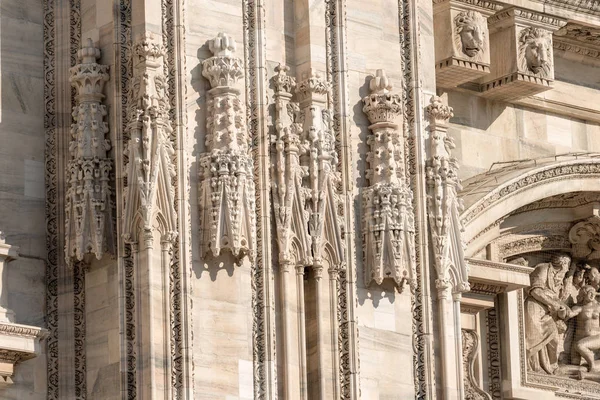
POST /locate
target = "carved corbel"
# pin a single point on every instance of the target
(462, 44)
(443, 204)
(89, 208)
(227, 187)
(325, 225)
(522, 61)
(289, 195)
(150, 194)
(388, 223)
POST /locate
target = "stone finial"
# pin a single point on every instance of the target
(148, 49)
(380, 84)
(88, 53)
(282, 81)
(438, 111)
(222, 46)
(381, 106)
(313, 86)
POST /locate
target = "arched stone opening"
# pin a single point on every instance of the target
(525, 303)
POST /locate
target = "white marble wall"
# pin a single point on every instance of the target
(22, 190)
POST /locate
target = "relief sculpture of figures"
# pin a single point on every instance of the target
(546, 314)
(587, 335)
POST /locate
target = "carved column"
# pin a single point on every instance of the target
(388, 223)
(150, 221)
(88, 213)
(227, 200)
(443, 209)
(292, 235)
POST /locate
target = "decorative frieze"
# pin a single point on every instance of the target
(522, 59)
(150, 195)
(227, 198)
(443, 204)
(462, 46)
(89, 207)
(388, 223)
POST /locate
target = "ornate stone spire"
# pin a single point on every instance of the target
(443, 203)
(150, 194)
(227, 199)
(89, 208)
(388, 225)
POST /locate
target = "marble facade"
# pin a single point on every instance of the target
(330, 199)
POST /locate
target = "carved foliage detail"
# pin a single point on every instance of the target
(88, 214)
(150, 194)
(470, 343)
(443, 204)
(227, 194)
(388, 226)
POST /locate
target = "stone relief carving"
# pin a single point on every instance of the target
(88, 210)
(585, 237)
(562, 319)
(470, 34)
(470, 344)
(443, 203)
(227, 190)
(388, 224)
(150, 194)
(535, 52)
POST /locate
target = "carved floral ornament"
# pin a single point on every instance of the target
(388, 224)
(227, 197)
(150, 195)
(89, 206)
(443, 204)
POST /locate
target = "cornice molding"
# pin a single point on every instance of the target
(528, 16)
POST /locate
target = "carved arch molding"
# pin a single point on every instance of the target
(545, 217)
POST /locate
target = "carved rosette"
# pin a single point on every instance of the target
(228, 198)
(388, 225)
(470, 344)
(88, 211)
(443, 204)
(287, 174)
(150, 195)
(321, 190)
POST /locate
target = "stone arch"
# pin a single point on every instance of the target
(491, 196)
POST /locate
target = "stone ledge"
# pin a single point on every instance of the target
(17, 343)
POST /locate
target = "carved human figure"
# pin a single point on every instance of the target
(535, 51)
(470, 35)
(592, 277)
(545, 314)
(587, 333)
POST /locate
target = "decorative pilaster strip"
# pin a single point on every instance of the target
(388, 224)
(79, 324)
(493, 353)
(227, 188)
(150, 194)
(50, 127)
(443, 203)
(88, 213)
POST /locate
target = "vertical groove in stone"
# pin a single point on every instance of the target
(51, 199)
(335, 21)
(123, 63)
(265, 376)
